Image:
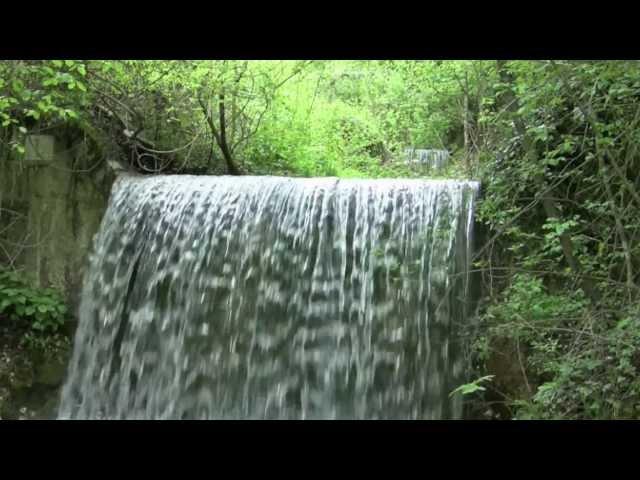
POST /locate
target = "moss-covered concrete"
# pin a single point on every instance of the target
(52, 208)
(52, 201)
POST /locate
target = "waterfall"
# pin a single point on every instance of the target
(429, 158)
(274, 298)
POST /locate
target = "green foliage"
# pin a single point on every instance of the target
(354, 119)
(560, 206)
(595, 377)
(52, 346)
(41, 90)
(472, 387)
(555, 144)
(43, 311)
(38, 94)
(342, 118)
(527, 307)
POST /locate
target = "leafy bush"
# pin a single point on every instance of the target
(580, 363)
(55, 346)
(42, 309)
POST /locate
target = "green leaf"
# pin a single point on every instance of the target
(17, 86)
(624, 323)
(474, 386)
(467, 389)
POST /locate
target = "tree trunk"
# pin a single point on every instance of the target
(232, 168)
(467, 134)
(220, 136)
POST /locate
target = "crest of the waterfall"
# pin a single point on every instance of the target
(268, 297)
(431, 159)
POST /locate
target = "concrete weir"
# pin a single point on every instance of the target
(51, 205)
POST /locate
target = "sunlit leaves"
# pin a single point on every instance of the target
(41, 91)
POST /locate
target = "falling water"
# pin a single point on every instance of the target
(429, 158)
(274, 298)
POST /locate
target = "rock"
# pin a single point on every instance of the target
(29, 381)
(51, 373)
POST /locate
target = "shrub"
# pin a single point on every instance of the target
(41, 310)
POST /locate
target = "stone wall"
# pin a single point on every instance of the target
(51, 204)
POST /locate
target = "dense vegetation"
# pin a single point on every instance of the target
(554, 143)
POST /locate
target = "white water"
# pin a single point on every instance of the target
(269, 297)
(429, 158)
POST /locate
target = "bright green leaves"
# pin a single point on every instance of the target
(43, 91)
(556, 227)
(472, 387)
(17, 147)
(529, 303)
(35, 114)
(355, 118)
(18, 87)
(43, 310)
